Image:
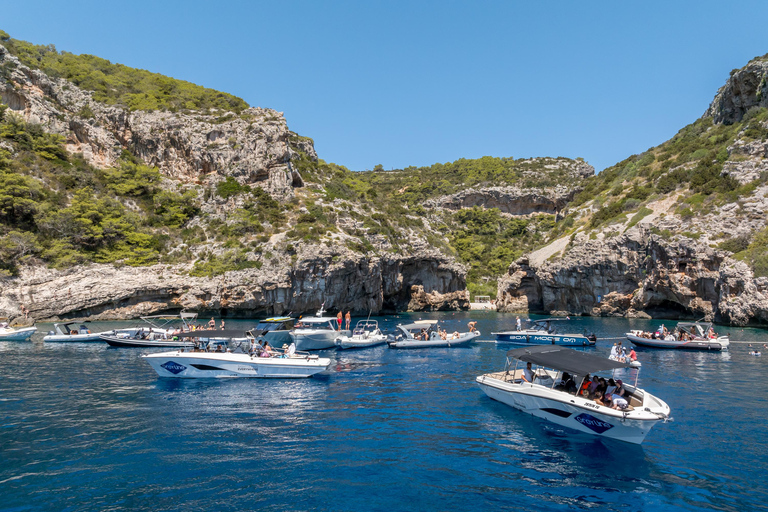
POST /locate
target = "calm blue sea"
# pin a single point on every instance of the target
(87, 427)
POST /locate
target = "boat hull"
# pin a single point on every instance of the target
(73, 338)
(116, 341)
(577, 413)
(214, 365)
(346, 342)
(717, 344)
(533, 338)
(18, 334)
(462, 340)
(317, 340)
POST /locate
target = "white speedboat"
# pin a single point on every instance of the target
(64, 332)
(316, 332)
(686, 336)
(427, 334)
(545, 398)
(365, 334)
(8, 333)
(240, 361)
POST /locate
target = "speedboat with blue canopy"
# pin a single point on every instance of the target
(549, 390)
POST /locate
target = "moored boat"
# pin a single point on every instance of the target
(157, 332)
(686, 336)
(8, 333)
(365, 334)
(233, 360)
(546, 395)
(427, 334)
(276, 330)
(544, 332)
(64, 332)
(317, 332)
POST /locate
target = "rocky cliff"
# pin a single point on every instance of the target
(254, 146)
(341, 280)
(746, 88)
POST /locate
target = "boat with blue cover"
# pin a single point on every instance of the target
(544, 332)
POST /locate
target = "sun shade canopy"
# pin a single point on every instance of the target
(564, 359)
(420, 324)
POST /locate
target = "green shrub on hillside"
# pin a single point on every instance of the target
(116, 84)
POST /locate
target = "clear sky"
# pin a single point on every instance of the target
(402, 83)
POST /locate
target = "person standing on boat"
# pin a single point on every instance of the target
(348, 318)
(519, 324)
(340, 319)
(472, 325)
(212, 324)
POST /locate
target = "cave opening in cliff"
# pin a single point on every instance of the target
(670, 310)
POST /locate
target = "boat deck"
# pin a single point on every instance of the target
(516, 377)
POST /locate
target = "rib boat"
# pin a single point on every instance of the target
(224, 354)
(426, 334)
(65, 332)
(686, 336)
(543, 397)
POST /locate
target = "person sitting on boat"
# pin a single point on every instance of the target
(611, 386)
(455, 335)
(620, 391)
(593, 386)
(443, 335)
(584, 391)
(291, 350)
(711, 333)
(528, 373)
(614, 351)
(606, 400)
(632, 355)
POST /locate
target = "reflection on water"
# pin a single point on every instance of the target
(88, 428)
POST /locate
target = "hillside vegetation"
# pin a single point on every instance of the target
(115, 84)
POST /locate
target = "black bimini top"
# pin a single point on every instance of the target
(564, 359)
(226, 333)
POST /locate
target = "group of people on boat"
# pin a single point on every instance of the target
(619, 353)
(264, 349)
(608, 393)
(662, 333)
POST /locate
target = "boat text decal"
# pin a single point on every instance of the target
(173, 367)
(593, 423)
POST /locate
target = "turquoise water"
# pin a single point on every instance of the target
(87, 427)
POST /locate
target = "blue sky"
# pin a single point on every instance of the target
(415, 83)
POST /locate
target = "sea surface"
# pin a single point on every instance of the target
(89, 427)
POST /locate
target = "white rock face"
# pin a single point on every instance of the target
(254, 147)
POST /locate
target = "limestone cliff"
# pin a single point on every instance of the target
(254, 147)
(341, 280)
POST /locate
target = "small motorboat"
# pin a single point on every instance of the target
(8, 333)
(426, 334)
(365, 334)
(547, 396)
(276, 330)
(64, 332)
(156, 332)
(686, 336)
(317, 332)
(544, 332)
(233, 354)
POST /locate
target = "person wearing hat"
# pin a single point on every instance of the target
(619, 391)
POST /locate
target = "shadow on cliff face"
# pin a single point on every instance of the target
(668, 310)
